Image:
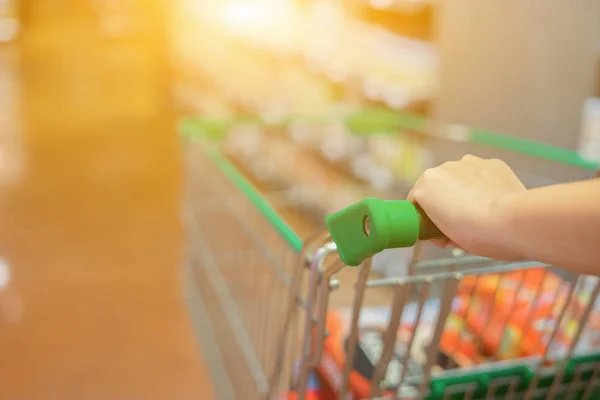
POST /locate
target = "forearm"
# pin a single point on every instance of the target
(558, 225)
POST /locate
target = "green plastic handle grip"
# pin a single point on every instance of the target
(373, 225)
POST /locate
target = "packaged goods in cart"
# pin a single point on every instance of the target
(515, 313)
(492, 318)
(501, 308)
(455, 349)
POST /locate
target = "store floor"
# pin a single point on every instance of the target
(91, 305)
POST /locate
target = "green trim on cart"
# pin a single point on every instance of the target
(529, 147)
(519, 375)
(255, 197)
(579, 367)
(212, 129)
(190, 131)
(381, 121)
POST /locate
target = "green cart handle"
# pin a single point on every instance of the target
(373, 225)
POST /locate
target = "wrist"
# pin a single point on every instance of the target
(507, 210)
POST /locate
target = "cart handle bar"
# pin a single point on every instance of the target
(373, 225)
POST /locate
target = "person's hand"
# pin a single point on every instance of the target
(469, 200)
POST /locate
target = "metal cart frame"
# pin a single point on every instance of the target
(265, 294)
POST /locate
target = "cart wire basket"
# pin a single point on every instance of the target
(280, 317)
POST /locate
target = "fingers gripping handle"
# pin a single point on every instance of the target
(373, 225)
(427, 229)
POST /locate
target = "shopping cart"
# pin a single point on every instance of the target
(455, 328)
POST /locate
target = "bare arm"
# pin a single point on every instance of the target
(483, 207)
(559, 225)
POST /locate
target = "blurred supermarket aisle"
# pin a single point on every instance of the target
(90, 242)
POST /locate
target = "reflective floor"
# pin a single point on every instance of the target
(91, 305)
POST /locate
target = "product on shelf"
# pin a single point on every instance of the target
(404, 6)
(245, 140)
(304, 133)
(338, 143)
(390, 68)
(590, 130)
(10, 24)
